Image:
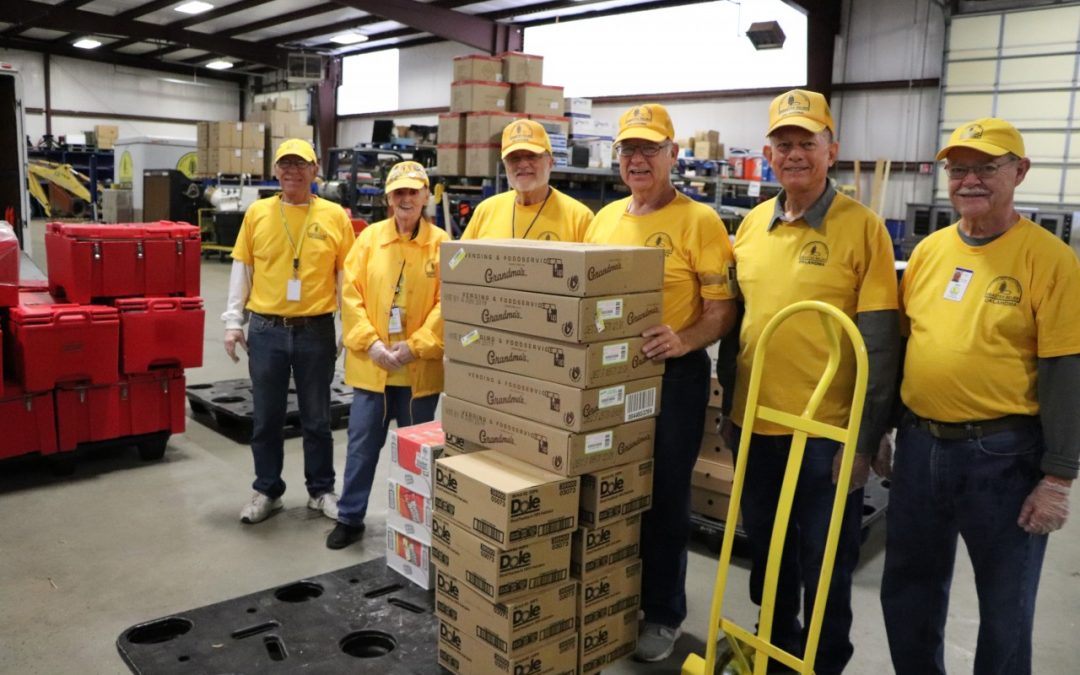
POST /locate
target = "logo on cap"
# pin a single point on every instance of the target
(973, 131)
(794, 104)
(521, 133)
(639, 116)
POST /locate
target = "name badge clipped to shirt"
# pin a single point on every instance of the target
(292, 290)
(395, 320)
(958, 284)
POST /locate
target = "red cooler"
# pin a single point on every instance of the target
(138, 404)
(28, 422)
(9, 267)
(160, 332)
(117, 261)
(54, 343)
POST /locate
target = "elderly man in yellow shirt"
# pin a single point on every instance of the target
(532, 209)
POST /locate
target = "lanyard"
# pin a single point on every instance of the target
(513, 217)
(285, 223)
(397, 287)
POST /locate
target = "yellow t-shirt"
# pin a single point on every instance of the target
(847, 262)
(563, 218)
(400, 377)
(264, 244)
(697, 251)
(980, 317)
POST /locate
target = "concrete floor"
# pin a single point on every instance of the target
(121, 541)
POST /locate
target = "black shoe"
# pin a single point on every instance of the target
(343, 535)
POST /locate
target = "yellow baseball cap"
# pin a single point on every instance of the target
(406, 175)
(991, 135)
(295, 146)
(800, 108)
(650, 122)
(525, 135)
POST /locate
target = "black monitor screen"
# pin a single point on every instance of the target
(382, 131)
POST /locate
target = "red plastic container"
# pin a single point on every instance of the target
(138, 404)
(9, 268)
(118, 261)
(54, 343)
(160, 333)
(28, 422)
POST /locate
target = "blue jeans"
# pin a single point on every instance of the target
(804, 545)
(974, 489)
(665, 528)
(369, 420)
(306, 352)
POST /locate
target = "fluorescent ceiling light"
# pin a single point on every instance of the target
(193, 7)
(86, 43)
(349, 38)
(219, 65)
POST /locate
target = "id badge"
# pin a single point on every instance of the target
(395, 320)
(958, 284)
(292, 290)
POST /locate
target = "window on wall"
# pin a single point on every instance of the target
(698, 47)
(369, 83)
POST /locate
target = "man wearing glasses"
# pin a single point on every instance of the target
(532, 209)
(285, 284)
(809, 243)
(989, 440)
(698, 310)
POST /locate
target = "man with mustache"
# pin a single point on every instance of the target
(533, 209)
(989, 438)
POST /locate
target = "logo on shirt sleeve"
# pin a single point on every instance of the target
(1004, 291)
(429, 269)
(814, 253)
(660, 240)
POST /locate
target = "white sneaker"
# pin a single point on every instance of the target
(656, 642)
(259, 508)
(326, 502)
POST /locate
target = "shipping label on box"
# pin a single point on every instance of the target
(607, 641)
(451, 129)
(409, 558)
(609, 592)
(450, 160)
(413, 451)
(559, 268)
(486, 128)
(463, 654)
(481, 159)
(478, 96)
(586, 366)
(554, 317)
(509, 627)
(618, 492)
(606, 546)
(536, 99)
(557, 450)
(478, 67)
(503, 500)
(518, 67)
(408, 511)
(712, 504)
(557, 405)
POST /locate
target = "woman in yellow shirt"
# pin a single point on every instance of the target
(392, 328)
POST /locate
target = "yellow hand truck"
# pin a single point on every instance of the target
(746, 646)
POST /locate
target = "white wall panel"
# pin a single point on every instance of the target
(971, 75)
(32, 71)
(426, 73)
(1045, 146)
(1037, 72)
(1041, 31)
(1042, 184)
(741, 122)
(897, 124)
(1034, 109)
(960, 108)
(974, 37)
(891, 40)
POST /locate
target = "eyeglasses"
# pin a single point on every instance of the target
(293, 163)
(988, 170)
(650, 150)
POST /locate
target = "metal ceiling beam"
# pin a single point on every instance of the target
(473, 31)
(66, 4)
(146, 8)
(27, 11)
(349, 25)
(196, 19)
(280, 19)
(822, 27)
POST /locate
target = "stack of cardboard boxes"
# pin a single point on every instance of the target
(593, 136)
(280, 122)
(488, 93)
(714, 471)
(231, 148)
(545, 367)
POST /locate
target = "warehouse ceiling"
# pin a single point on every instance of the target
(257, 37)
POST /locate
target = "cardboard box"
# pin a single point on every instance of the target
(562, 452)
(707, 136)
(463, 654)
(613, 544)
(601, 152)
(409, 558)
(478, 67)
(499, 574)
(615, 493)
(708, 150)
(486, 128)
(557, 405)
(252, 161)
(283, 103)
(716, 392)
(456, 445)
(202, 163)
(272, 144)
(224, 160)
(586, 366)
(503, 500)
(714, 419)
(559, 268)
(713, 476)
(253, 135)
(481, 159)
(105, 135)
(413, 451)
(519, 67)
(553, 124)
(296, 129)
(450, 159)
(555, 317)
(537, 99)
(277, 121)
(408, 512)
(607, 641)
(510, 627)
(451, 129)
(609, 592)
(577, 106)
(223, 134)
(479, 95)
(711, 504)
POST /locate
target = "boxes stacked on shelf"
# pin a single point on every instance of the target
(280, 122)
(104, 136)
(706, 145)
(477, 88)
(410, 488)
(231, 148)
(594, 135)
(100, 354)
(558, 130)
(545, 366)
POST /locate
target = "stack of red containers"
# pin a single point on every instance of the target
(100, 355)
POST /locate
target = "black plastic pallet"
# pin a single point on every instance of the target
(227, 406)
(360, 619)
